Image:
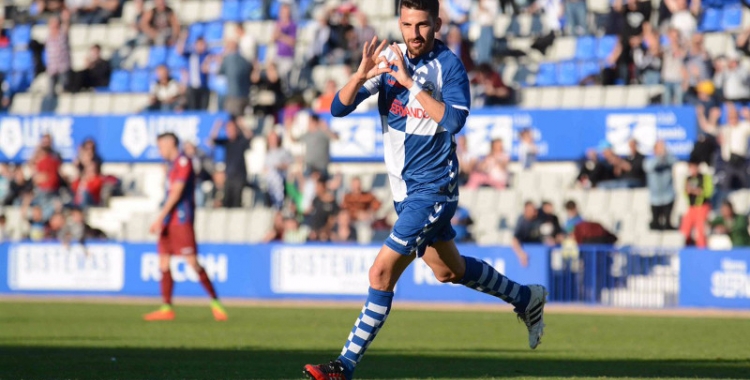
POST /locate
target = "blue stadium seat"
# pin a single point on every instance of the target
(230, 10)
(546, 76)
(6, 58)
(20, 36)
(196, 30)
(217, 84)
(176, 61)
(731, 17)
(273, 10)
(22, 61)
(605, 46)
(587, 68)
(20, 81)
(711, 20)
(119, 81)
(262, 52)
(214, 33)
(252, 10)
(585, 48)
(567, 74)
(157, 56)
(140, 81)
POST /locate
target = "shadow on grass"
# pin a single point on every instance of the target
(137, 363)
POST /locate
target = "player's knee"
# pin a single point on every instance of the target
(380, 278)
(447, 276)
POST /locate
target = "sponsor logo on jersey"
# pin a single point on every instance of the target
(398, 109)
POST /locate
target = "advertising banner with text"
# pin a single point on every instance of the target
(718, 279)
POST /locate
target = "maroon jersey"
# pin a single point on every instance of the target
(181, 171)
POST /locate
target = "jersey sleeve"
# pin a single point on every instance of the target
(457, 98)
(182, 169)
(371, 87)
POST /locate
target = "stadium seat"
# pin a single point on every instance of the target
(101, 104)
(214, 34)
(98, 35)
(273, 10)
(20, 36)
(39, 32)
(230, 11)
(638, 96)
(261, 53)
(563, 49)
(731, 17)
(711, 20)
(23, 104)
(119, 81)
(140, 81)
(81, 104)
(716, 43)
(78, 36)
(176, 61)
(572, 97)
(605, 46)
(210, 10)
(6, 60)
(587, 68)
(194, 31)
(22, 61)
(585, 48)
(530, 97)
(615, 96)
(157, 56)
(546, 75)
(64, 104)
(252, 10)
(550, 99)
(567, 74)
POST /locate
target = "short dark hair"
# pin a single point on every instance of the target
(431, 6)
(169, 135)
(571, 205)
(728, 203)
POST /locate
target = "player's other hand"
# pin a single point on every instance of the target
(155, 227)
(401, 74)
(372, 63)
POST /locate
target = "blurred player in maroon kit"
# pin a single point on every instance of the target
(174, 225)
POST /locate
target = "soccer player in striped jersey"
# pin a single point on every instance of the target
(423, 101)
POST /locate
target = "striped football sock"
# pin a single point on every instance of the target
(368, 324)
(484, 278)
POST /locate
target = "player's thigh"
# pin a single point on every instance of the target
(420, 224)
(387, 268)
(445, 261)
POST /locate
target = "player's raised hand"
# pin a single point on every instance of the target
(401, 74)
(371, 60)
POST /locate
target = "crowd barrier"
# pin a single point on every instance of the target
(602, 275)
(560, 135)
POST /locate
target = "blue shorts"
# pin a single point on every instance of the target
(421, 223)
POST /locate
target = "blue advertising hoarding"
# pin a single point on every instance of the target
(718, 279)
(336, 272)
(560, 135)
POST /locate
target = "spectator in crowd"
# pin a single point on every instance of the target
(683, 16)
(203, 166)
(324, 101)
(317, 142)
(235, 142)
(77, 230)
(216, 197)
(467, 160)
(49, 7)
(708, 107)
(57, 49)
(46, 172)
(461, 222)
(237, 72)
(95, 75)
(5, 232)
(87, 189)
(166, 93)
(647, 58)
(92, 11)
(46, 143)
(318, 48)
(699, 189)
(160, 24)
(276, 163)
(731, 224)
(6, 177)
(487, 12)
(634, 17)
(460, 47)
(320, 216)
(735, 81)
(343, 230)
(697, 65)
(593, 170)
(527, 231)
(87, 153)
(549, 224)
(361, 205)
(294, 233)
(285, 37)
(493, 90)
(199, 65)
(269, 93)
(574, 217)
(365, 31)
(576, 17)
(673, 70)
(245, 43)
(54, 229)
(37, 224)
(276, 233)
(491, 170)
(527, 149)
(18, 188)
(455, 12)
(660, 186)
(733, 139)
(628, 171)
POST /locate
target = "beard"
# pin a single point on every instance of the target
(424, 47)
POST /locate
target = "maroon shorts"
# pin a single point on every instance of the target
(177, 240)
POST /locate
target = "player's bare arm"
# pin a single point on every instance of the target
(172, 199)
(369, 68)
(433, 107)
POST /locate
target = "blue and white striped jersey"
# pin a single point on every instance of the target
(420, 154)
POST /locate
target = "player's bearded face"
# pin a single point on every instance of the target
(418, 30)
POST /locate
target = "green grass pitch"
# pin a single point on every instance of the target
(102, 341)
